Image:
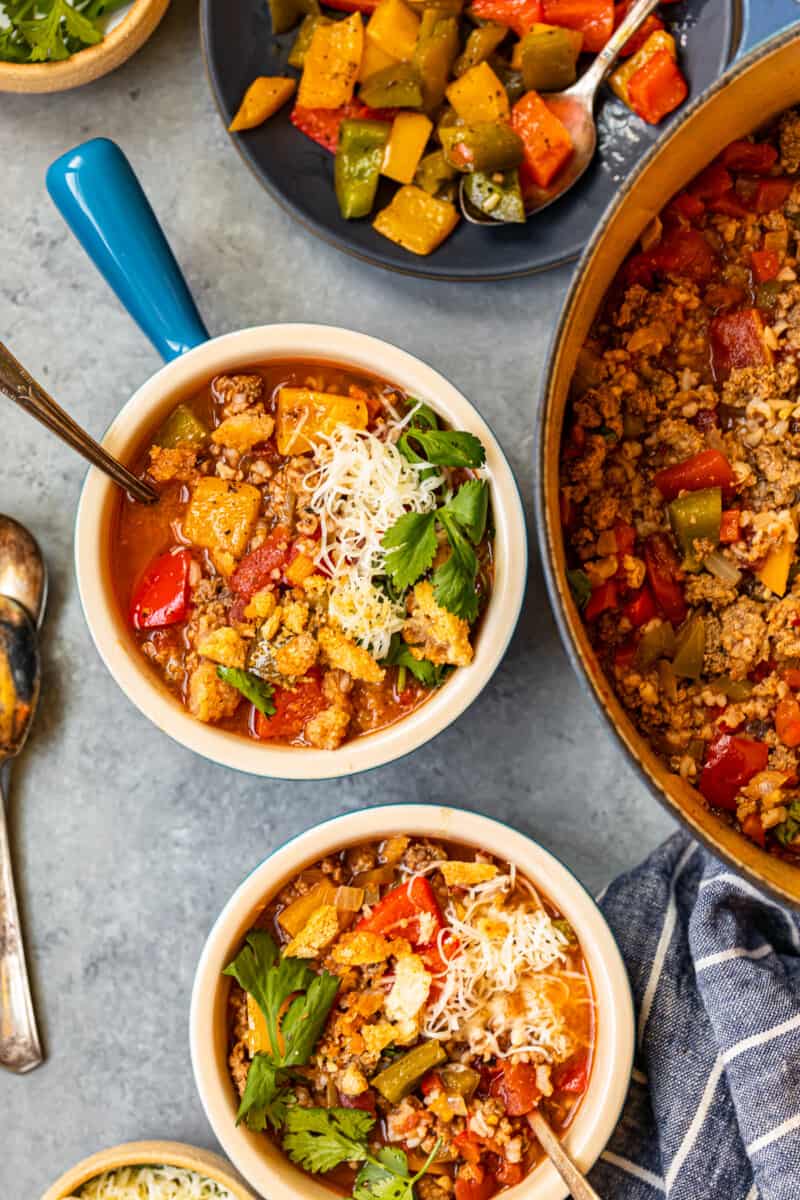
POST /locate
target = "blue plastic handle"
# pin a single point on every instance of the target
(762, 18)
(98, 195)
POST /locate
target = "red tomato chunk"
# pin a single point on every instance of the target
(162, 597)
(730, 763)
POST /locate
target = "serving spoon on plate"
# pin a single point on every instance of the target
(575, 109)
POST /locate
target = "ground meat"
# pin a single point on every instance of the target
(789, 141)
(239, 1066)
(172, 464)
(237, 392)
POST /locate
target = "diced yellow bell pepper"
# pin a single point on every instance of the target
(373, 59)
(660, 40)
(394, 28)
(407, 141)
(416, 221)
(303, 414)
(263, 98)
(575, 36)
(331, 65)
(774, 574)
(479, 96)
(257, 1032)
(220, 518)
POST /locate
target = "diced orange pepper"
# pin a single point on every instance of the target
(519, 15)
(594, 18)
(621, 77)
(263, 98)
(548, 146)
(657, 88)
(299, 569)
(638, 39)
(479, 96)
(765, 264)
(416, 221)
(787, 721)
(331, 65)
(394, 27)
(407, 141)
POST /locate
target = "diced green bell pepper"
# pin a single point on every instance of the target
(658, 641)
(498, 195)
(436, 51)
(482, 42)
(297, 54)
(434, 173)
(548, 60)
(511, 80)
(690, 648)
(286, 14)
(359, 158)
(460, 1080)
(180, 428)
(735, 689)
(486, 146)
(696, 516)
(396, 86)
(402, 1076)
(767, 294)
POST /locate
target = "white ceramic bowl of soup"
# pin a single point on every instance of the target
(258, 1159)
(141, 416)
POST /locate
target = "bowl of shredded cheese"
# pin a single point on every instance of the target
(150, 1171)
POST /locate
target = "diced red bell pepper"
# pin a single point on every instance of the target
(729, 526)
(772, 193)
(398, 913)
(754, 157)
(686, 252)
(468, 1146)
(728, 206)
(508, 1174)
(479, 1185)
(262, 567)
(685, 205)
(625, 537)
(731, 762)
(573, 1075)
(664, 575)
(594, 19)
(708, 469)
(765, 264)
(519, 15)
(294, 708)
(638, 39)
(162, 595)
(753, 828)
(787, 721)
(322, 124)
(363, 6)
(624, 654)
(737, 340)
(516, 1088)
(603, 597)
(547, 145)
(431, 1083)
(657, 88)
(364, 1100)
(792, 676)
(711, 183)
(641, 607)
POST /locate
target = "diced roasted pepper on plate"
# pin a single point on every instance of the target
(547, 145)
(407, 141)
(359, 157)
(519, 15)
(394, 27)
(434, 56)
(480, 44)
(490, 146)
(297, 54)
(263, 98)
(373, 60)
(593, 18)
(416, 221)
(331, 64)
(434, 173)
(303, 414)
(657, 88)
(497, 195)
(479, 96)
(547, 58)
(396, 86)
(285, 14)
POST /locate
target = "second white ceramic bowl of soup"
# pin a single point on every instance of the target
(259, 1159)
(95, 528)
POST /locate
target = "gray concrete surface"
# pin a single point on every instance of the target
(126, 845)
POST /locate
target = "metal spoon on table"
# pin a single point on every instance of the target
(575, 108)
(22, 388)
(20, 1049)
(578, 1184)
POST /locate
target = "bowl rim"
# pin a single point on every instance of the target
(121, 42)
(128, 668)
(602, 1106)
(133, 1154)
(591, 682)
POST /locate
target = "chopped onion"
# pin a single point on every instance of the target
(376, 877)
(722, 568)
(349, 899)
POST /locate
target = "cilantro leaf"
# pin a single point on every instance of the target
(789, 829)
(319, 1139)
(454, 580)
(424, 417)
(411, 546)
(470, 507)
(386, 1179)
(256, 690)
(443, 447)
(581, 587)
(47, 34)
(265, 1096)
(429, 674)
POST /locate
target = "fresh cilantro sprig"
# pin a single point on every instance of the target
(429, 674)
(256, 690)
(411, 545)
(51, 30)
(295, 1001)
(580, 586)
(319, 1139)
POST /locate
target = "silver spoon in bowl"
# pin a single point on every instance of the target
(575, 109)
(20, 675)
(22, 388)
(548, 1139)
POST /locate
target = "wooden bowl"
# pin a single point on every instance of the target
(135, 1154)
(116, 48)
(752, 92)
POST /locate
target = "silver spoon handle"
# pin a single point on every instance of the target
(577, 1183)
(19, 386)
(20, 1050)
(590, 81)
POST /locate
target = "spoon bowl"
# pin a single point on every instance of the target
(23, 573)
(19, 676)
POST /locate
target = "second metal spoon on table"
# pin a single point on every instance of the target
(22, 388)
(575, 109)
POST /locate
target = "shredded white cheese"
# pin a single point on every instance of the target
(359, 487)
(504, 991)
(152, 1183)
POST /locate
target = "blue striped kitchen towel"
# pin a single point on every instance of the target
(713, 1111)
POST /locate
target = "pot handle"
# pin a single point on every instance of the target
(97, 193)
(762, 18)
